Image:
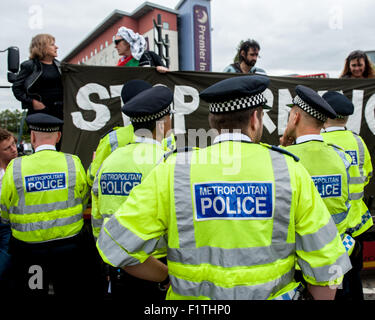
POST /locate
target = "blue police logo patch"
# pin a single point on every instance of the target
(233, 200)
(328, 186)
(45, 182)
(119, 183)
(353, 154)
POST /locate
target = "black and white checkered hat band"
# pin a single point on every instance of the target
(41, 129)
(310, 110)
(152, 117)
(238, 104)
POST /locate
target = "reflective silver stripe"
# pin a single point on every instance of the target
(113, 140)
(130, 241)
(113, 252)
(95, 187)
(361, 154)
(3, 207)
(316, 241)
(183, 201)
(209, 289)
(357, 180)
(228, 258)
(356, 196)
(339, 217)
(45, 207)
(18, 182)
(342, 156)
(4, 221)
(71, 175)
(97, 223)
(43, 225)
(326, 273)
(283, 198)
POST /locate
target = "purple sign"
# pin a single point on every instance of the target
(202, 39)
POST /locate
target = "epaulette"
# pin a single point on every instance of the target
(112, 129)
(281, 150)
(178, 150)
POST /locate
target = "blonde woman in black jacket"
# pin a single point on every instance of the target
(38, 84)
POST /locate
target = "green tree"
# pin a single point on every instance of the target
(12, 121)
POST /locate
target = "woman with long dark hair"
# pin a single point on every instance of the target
(358, 65)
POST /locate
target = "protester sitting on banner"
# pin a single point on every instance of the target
(38, 84)
(246, 59)
(132, 47)
(358, 65)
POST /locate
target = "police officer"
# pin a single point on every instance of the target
(360, 172)
(327, 164)
(121, 136)
(126, 168)
(234, 216)
(118, 136)
(43, 198)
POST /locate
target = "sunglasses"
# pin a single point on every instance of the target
(117, 41)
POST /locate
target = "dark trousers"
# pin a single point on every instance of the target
(125, 286)
(36, 266)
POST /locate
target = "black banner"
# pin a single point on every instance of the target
(92, 105)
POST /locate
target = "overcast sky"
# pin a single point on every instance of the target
(296, 36)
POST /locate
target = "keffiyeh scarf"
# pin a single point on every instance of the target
(136, 41)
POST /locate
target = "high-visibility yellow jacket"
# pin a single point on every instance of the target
(234, 217)
(43, 196)
(328, 166)
(360, 172)
(124, 169)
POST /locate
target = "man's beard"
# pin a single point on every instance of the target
(250, 63)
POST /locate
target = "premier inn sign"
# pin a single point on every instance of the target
(202, 39)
